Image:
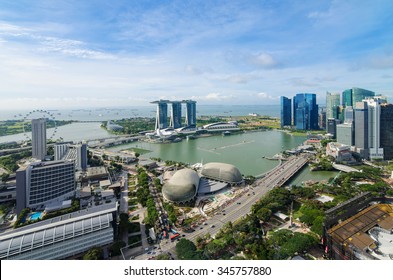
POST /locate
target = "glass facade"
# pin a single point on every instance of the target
(176, 115)
(286, 111)
(305, 110)
(358, 94)
(332, 102)
(347, 98)
(387, 130)
(190, 113)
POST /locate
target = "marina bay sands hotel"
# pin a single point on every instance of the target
(175, 117)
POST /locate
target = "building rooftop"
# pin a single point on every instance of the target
(222, 172)
(357, 231)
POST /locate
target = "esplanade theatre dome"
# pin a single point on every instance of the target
(182, 187)
(222, 172)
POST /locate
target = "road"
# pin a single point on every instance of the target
(241, 206)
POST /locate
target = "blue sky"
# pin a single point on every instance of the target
(57, 54)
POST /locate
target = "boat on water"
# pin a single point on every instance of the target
(253, 114)
(177, 139)
(226, 133)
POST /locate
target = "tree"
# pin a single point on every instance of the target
(162, 257)
(137, 155)
(186, 250)
(95, 253)
(264, 214)
(4, 177)
(116, 246)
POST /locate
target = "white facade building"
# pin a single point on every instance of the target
(61, 237)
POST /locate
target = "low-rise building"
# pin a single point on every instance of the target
(341, 152)
(61, 237)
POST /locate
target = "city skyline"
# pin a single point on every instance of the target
(73, 54)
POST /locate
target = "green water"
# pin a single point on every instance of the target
(244, 150)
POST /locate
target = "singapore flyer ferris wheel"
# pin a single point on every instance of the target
(39, 114)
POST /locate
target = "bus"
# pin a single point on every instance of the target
(175, 236)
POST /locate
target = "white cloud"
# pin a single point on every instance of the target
(263, 60)
(214, 96)
(266, 96)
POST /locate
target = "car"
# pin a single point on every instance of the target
(149, 252)
(239, 203)
(205, 224)
(224, 214)
(183, 235)
(212, 226)
(201, 228)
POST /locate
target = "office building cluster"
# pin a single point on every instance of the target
(361, 120)
(304, 111)
(357, 118)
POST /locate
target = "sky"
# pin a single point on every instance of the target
(79, 54)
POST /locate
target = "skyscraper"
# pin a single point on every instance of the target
(322, 118)
(38, 138)
(361, 128)
(162, 114)
(331, 127)
(387, 130)
(175, 114)
(190, 112)
(46, 182)
(286, 111)
(347, 98)
(332, 103)
(374, 129)
(305, 111)
(348, 114)
(358, 94)
(345, 134)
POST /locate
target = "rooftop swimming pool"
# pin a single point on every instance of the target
(35, 216)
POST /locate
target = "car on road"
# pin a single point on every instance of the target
(205, 224)
(239, 203)
(201, 228)
(212, 226)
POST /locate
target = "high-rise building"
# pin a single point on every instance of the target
(345, 134)
(77, 153)
(347, 98)
(190, 112)
(61, 150)
(162, 114)
(38, 138)
(358, 94)
(332, 102)
(361, 128)
(348, 114)
(43, 183)
(322, 118)
(374, 128)
(286, 111)
(331, 127)
(387, 130)
(175, 121)
(305, 111)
